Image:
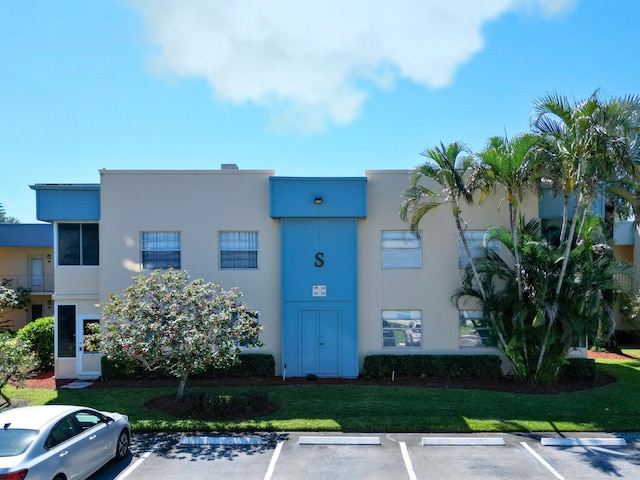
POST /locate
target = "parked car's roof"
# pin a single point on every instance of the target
(33, 418)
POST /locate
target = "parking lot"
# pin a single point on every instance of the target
(378, 456)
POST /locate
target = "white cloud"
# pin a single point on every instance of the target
(313, 61)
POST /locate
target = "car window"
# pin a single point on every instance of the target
(14, 441)
(64, 430)
(88, 419)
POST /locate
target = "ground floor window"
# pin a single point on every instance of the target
(474, 330)
(401, 328)
(66, 331)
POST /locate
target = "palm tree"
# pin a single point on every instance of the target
(4, 218)
(537, 347)
(513, 166)
(591, 147)
(449, 168)
(592, 150)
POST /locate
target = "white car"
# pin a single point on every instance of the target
(59, 442)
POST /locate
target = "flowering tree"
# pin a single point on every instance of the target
(166, 322)
(8, 299)
(16, 362)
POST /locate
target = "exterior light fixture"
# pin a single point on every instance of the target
(317, 200)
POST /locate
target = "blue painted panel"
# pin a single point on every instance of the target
(320, 338)
(320, 252)
(329, 340)
(309, 328)
(26, 235)
(67, 202)
(551, 205)
(318, 197)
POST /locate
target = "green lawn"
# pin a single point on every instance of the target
(391, 409)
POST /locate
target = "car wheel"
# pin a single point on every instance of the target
(59, 477)
(122, 447)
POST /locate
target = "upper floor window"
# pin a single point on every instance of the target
(475, 241)
(160, 249)
(238, 250)
(78, 244)
(401, 249)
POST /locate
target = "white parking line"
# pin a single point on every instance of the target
(272, 463)
(407, 461)
(542, 461)
(126, 472)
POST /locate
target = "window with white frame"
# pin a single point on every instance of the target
(475, 330)
(401, 249)
(475, 241)
(78, 244)
(160, 249)
(401, 328)
(238, 250)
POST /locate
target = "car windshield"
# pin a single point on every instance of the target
(14, 441)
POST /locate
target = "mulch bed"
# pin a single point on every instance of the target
(47, 380)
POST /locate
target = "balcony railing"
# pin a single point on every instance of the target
(35, 283)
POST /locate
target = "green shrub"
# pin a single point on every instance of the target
(578, 369)
(16, 363)
(227, 406)
(445, 366)
(39, 336)
(249, 365)
(119, 368)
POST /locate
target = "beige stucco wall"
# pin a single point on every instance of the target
(198, 204)
(15, 265)
(429, 288)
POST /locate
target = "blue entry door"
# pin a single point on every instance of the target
(319, 342)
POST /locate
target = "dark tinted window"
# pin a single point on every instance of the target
(64, 430)
(78, 244)
(66, 331)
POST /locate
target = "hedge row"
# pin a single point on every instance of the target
(461, 366)
(444, 366)
(249, 365)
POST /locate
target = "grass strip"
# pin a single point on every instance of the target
(349, 408)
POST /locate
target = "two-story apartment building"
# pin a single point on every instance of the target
(26, 264)
(327, 262)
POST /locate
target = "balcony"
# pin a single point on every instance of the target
(37, 284)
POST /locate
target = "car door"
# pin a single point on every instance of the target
(97, 441)
(65, 450)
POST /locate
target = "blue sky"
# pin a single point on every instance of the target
(308, 88)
